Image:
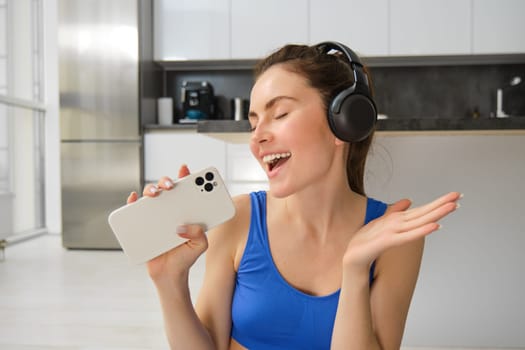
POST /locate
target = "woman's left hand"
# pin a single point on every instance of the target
(398, 226)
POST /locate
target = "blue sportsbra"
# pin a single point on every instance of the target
(267, 312)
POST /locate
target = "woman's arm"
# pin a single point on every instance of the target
(170, 274)
(374, 318)
(207, 326)
(215, 298)
(397, 273)
(184, 329)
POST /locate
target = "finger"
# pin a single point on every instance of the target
(416, 233)
(195, 235)
(151, 190)
(133, 196)
(190, 231)
(422, 210)
(184, 171)
(431, 217)
(400, 205)
(165, 183)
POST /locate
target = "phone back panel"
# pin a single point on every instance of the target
(147, 227)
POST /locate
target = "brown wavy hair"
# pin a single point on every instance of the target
(329, 74)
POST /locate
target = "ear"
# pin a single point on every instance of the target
(339, 142)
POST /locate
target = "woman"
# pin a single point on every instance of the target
(313, 263)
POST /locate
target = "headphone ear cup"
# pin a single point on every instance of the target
(352, 116)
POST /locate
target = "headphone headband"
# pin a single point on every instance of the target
(360, 77)
(327, 46)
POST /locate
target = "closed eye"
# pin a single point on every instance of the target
(253, 121)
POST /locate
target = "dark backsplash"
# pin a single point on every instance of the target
(447, 91)
(431, 91)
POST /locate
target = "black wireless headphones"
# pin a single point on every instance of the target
(352, 114)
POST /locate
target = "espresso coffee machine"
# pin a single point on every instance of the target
(198, 100)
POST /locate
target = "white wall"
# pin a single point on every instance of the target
(52, 133)
(471, 286)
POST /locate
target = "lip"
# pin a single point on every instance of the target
(275, 171)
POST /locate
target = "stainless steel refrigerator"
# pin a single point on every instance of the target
(100, 100)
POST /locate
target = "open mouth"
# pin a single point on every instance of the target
(276, 160)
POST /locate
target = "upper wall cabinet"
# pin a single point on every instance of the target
(361, 25)
(251, 29)
(499, 26)
(259, 27)
(430, 27)
(192, 29)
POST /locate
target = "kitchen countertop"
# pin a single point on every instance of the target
(238, 131)
(419, 124)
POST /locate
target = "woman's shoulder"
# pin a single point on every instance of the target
(232, 234)
(242, 205)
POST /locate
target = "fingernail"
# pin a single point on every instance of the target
(153, 189)
(461, 195)
(439, 227)
(182, 229)
(458, 205)
(168, 184)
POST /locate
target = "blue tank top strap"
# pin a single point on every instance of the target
(258, 218)
(374, 209)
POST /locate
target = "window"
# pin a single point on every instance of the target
(21, 118)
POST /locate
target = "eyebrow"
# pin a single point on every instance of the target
(271, 103)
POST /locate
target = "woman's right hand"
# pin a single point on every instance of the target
(175, 263)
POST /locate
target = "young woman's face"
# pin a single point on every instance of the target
(290, 137)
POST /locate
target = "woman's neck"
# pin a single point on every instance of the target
(320, 210)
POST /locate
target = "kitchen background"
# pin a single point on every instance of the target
(436, 74)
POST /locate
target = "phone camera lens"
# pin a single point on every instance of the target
(209, 176)
(208, 187)
(199, 181)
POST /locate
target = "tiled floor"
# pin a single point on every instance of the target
(54, 298)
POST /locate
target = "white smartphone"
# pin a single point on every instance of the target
(147, 228)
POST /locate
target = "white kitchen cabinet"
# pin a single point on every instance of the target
(361, 25)
(429, 27)
(259, 27)
(166, 150)
(498, 26)
(244, 173)
(192, 29)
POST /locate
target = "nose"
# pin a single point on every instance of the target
(262, 133)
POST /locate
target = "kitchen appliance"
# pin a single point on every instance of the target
(515, 81)
(198, 100)
(239, 108)
(165, 111)
(101, 141)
